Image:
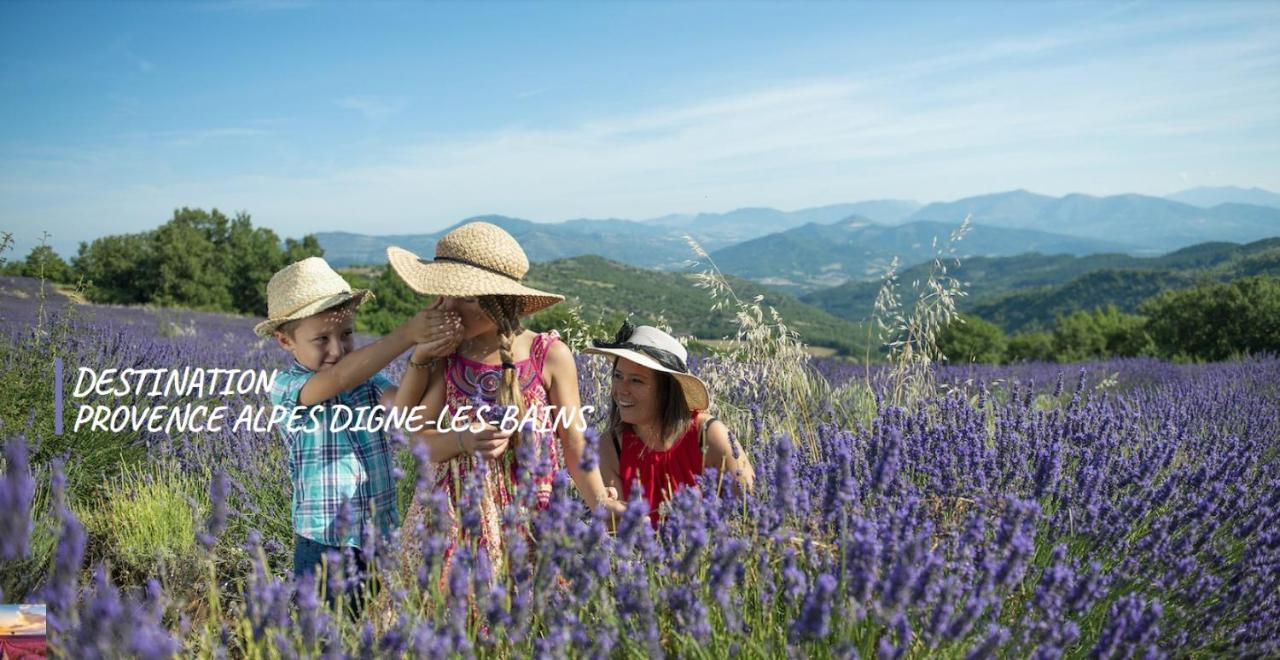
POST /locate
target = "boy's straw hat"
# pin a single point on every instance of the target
(650, 347)
(303, 289)
(476, 259)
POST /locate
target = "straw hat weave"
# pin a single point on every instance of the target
(650, 347)
(476, 259)
(303, 289)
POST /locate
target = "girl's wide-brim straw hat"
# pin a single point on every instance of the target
(650, 347)
(476, 259)
(303, 289)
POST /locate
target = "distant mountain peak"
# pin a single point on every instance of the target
(856, 222)
(1211, 196)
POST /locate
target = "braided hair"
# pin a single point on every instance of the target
(504, 311)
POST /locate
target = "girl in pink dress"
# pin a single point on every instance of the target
(498, 364)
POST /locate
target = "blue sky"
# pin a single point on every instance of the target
(22, 619)
(407, 117)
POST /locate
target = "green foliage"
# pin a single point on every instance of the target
(187, 270)
(575, 330)
(146, 519)
(1027, 292)
(41, 262)
(600, 293)
(23, 576)
(970, 339)
(297, 250)
(1098, 334)
(1209, 321)
(603, 289)
(1035, 309)
(393, 301)
(198, 259)
(119, 268)
(1030, 347)
(1217, 321)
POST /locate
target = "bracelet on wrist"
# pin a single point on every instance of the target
(429, 364)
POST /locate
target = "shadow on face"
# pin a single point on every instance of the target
(318, 342)
(475, 321)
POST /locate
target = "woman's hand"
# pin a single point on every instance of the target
(611, 503)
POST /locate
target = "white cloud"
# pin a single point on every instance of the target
(1054, 113)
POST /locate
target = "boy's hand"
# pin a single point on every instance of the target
(435, 332)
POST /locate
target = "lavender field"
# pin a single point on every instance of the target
(1111, 510)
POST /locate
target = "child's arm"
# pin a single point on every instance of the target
(719, 455)
(445, 444)
(428, 327)
(562, 374)
(413, 384)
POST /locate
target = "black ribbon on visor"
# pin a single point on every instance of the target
(665, 358)
(473, 264)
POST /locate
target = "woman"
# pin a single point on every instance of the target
(498, 364)
(659, 432)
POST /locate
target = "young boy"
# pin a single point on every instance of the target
(311, 313)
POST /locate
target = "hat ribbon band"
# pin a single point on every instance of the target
(665, 358)
(473, 264)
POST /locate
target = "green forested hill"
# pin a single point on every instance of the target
(1022, 291)
(1036, 308)
(820, 255)
(604, 287)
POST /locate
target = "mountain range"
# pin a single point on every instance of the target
(804, 250)
(1151, 224)
(600, 288)
(1029, 291)
(815, 256)
(656, 243)
(1208, 197)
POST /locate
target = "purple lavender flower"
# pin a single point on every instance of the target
(689, 611)
(1131, 626)
(17, 491)
(217, 521)
(815, 613)
(591, 450)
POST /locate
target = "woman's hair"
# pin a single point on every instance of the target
(673, 417)
(505, 313)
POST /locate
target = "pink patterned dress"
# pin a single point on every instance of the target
(469, 385)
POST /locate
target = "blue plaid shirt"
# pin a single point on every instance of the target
(331, 467)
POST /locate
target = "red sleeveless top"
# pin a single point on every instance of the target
(661, 473)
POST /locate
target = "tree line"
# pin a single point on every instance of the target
(206, 260)
(1207, 321)
(198, 259)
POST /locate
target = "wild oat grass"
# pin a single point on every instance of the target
(767, 361)
(912, 335)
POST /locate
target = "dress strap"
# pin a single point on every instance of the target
(538, 351)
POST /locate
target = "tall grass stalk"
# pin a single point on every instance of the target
(912, 335)
(767, 357)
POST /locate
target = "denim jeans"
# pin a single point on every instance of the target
(308, 556)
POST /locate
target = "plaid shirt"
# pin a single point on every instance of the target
(331, 467)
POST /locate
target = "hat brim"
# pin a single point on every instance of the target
(444, 278)
(696, 395)
(265, 328)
